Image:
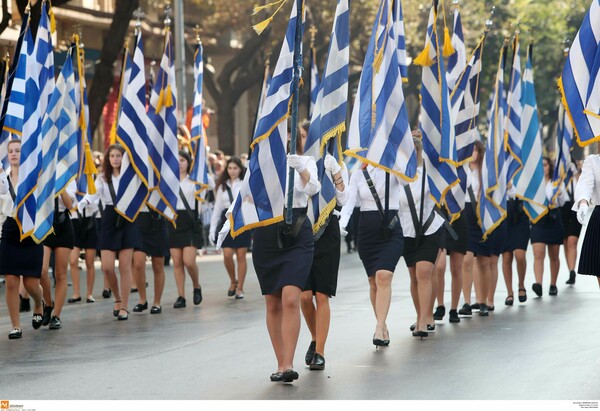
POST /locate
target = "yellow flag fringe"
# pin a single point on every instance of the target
(448, 48)
(423, 59)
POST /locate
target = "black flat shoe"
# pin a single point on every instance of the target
(123, 317)
(106, 293)
(55, 323)
(155, 310)
(116, 312)
(318, 362)
(413, 327)
(465, 310)
(290, 375)
(553, 290)
(197, 296)
(454, 318)
(310, 353)
(74, 300)
(15, 334)
(90, 300)
(509, 300)
(431, 328)
(491, 307)
(47, 314)
(483, 311)
(420, 334)
(475, 306)
(277, 376)
(230, 292)
(179, 303)
(140, 307)
(24, 304)
(571, 279)
(537, 289)
(522, 298)
(36, 321)
(439, 313)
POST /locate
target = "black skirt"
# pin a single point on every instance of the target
(549, 230)
(326, 260)
(19, 257)
(461, 229)
(425, 250)
(570, 223)
(517, 227)
(279, 267)
(153, 233)
(63, 236)
(589, 259)
(187, 233)
(497, 239)
(85, 231)
(375, 251)
(115, 238)
(475, 243)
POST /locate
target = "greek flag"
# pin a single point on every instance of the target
(492, 204)
(39, 84)
(437, 126)
(379, 131)
(4, 134)
(260, 201)
(125, 75)
(199, 170)
(513, 135)
(59, 133)
(529, 182)
(329, 118)
(457, 62)
(580, 81)
(132, 135)
(314, 81)
(263, 95)
(162, 133)
(84, 133)
(562, 167)
(398, 19)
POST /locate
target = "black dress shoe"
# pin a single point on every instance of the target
(553, 290)
(106, 293)
(277, 376)
(116, 312)
(318, 362)
(290, 375)
(522, 298)
(55, 323)
(140, 307)
(310, 353)
(439, 313)
(420, 334)
(537, 289)
(155, 310)
(74, 300)
(431, 327)
(483, 311)
(25, 305)
(123, 317)
(571, 279)
(90, 300)
(465, 310)
(179, 303)
(36, 321)
(47, 314)
(454, 318)
(413, 327)
(15, 334)
(197, 296)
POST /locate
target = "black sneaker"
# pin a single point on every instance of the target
(439, 313)
(571, 279)
(465, 310)
(55, 323)
(454, 318)
(197, 296)
(553, 290)
(180, 303)
(483, 310)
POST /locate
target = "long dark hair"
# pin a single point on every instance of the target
(225, 174)
(188, 158)
(107, 168)
(550, 167)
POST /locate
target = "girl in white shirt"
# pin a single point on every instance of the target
(227, 188)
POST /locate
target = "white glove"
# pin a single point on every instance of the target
(82, 205)
(343, 232)
(581, 212)
(297, 162)
(331, 164)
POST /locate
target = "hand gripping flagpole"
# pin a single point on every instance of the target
(295, 100)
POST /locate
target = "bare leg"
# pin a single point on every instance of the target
(229, 266)
(45, 278)
(553, 251)
(242, 268)
(468, 276)
(125, 261)
(483, 265)
(290, 323)
(456, 265)
(507, 259)
(493, 280)
(424, 272)
(139, 273)
(373, 293)
(61, 259)
(108, 267)
(414, 290)
(323, 320)
(74, 264)
(539, 253)
(35, 290)
(521, 267)
(274, 319)
(439, 284)
(571, 251)
(383, 279)
(189, 260)
(90, 256)
(158, 268)
(178, 270)
(12, 299)
(309, 312)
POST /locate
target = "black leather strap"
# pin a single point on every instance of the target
(187, 206)
(375, 195)
(113, 196)
(11, 189)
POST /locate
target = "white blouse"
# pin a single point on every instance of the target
(189, 189)
(406, 220)
(473, 182)
(103, 191)
(588, 181)
(222, 201)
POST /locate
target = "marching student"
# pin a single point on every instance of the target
(572, 226)
(61, 243)
(548, 232)
(227, 188)
(186, 238)
(587, 196)
(18, 258)
(118, 237)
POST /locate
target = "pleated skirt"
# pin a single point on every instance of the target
(19, 257)
(326, 261)
(375, 251)
(589, 259)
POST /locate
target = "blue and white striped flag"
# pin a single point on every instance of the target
(264, 90)
(492, 201)
(379, 131)
(457, 62)
(580, 81)
(437, 125)
(59, 132)
(85, 184)
(39, 84)
(315, 82)
(513, 134)
(260, 201)
(398, 18)
(529, 182)
(162, 137)
(4, 134)
(132, 135)
(199, 169)
(329, 118)
(562, 166)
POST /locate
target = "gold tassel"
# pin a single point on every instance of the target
(423, 59)
(90, 169)
(258, 8)
(113, 133)
(260, 27)
(161, 98)
(378, 60)
(52, 18)
(168, 97)
(448, 49)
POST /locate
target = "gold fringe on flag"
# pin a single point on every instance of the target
(260, 27)
(160, 102)
(90, 169)
(168, 98)
(423, 59)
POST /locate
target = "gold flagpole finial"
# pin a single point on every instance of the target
(490, 21)
(139, 15)
(455, 5)
(168, 12)
(567, 47)
(198, 30)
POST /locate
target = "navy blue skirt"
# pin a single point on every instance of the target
(461, 228)
(187, 233)
(19, 257)
(153, 233)
(569, 218)
(425, 250)
(279, 267)
(116, 233)
(497, 239)
(63, 236)
(549, 230)
(517, 227)
(475, 243)
(589, 259)
(326, 260)
(86, 232)
(375, 251)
